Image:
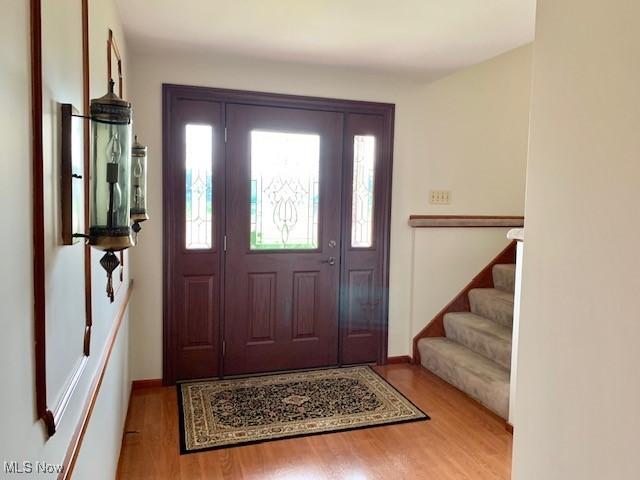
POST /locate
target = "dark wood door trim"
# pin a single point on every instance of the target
(175, 93)
(276, 100)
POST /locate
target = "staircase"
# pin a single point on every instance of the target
(474, 354)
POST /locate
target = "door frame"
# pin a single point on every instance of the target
(171, 93)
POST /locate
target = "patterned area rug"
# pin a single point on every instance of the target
(226, 413)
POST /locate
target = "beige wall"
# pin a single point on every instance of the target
(466, 133)
(22, 436)
(474, 135)
(578, 384)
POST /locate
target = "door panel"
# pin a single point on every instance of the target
(366, 180)
(199, 311)
(283, 238)
(261, 303)
(305, 305)
(359, 317)
(196, 182)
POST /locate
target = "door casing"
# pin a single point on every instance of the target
(384, 116)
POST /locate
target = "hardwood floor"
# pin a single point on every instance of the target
(462, 441)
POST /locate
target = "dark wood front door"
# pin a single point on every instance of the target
(276, 232)
(283, 238)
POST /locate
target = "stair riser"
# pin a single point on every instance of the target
(484, 345)
(493, 396)
(504, 277)
(498, 310)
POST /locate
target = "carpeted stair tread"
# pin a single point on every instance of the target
(493, 304)
(504, 277)
(481, 335)
(477, 376)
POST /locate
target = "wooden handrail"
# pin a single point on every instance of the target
(457, 221)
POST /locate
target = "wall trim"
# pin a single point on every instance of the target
(148, 383)
(78, 435)
(38, 217)
(399, 359)
(444, 221)
(87, 168)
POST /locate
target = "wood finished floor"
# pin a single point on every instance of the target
(461, 441)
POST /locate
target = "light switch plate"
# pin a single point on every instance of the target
(440, 197)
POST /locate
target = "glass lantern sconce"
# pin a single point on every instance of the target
(110, 188)
(138, 186)
(118, 185)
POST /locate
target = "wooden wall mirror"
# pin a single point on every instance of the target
(62, 309)
(61, 269)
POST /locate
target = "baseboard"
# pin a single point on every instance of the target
(149, 383)
(399, 359)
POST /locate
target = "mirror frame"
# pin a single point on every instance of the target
(52, 417)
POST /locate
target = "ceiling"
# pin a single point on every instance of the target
(424, 37)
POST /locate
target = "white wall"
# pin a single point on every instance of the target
(578, 385)
(474, 134)
(22, 436)
(466, 132)
(100, 451)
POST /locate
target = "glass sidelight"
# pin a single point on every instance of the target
(199, 187)
(363, 191)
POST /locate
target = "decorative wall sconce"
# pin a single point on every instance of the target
(118, 175)
(110, 179)
(138, 185)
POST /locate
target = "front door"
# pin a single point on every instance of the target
(283, 241)
(275, 231)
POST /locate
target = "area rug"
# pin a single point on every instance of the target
(225, 413)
